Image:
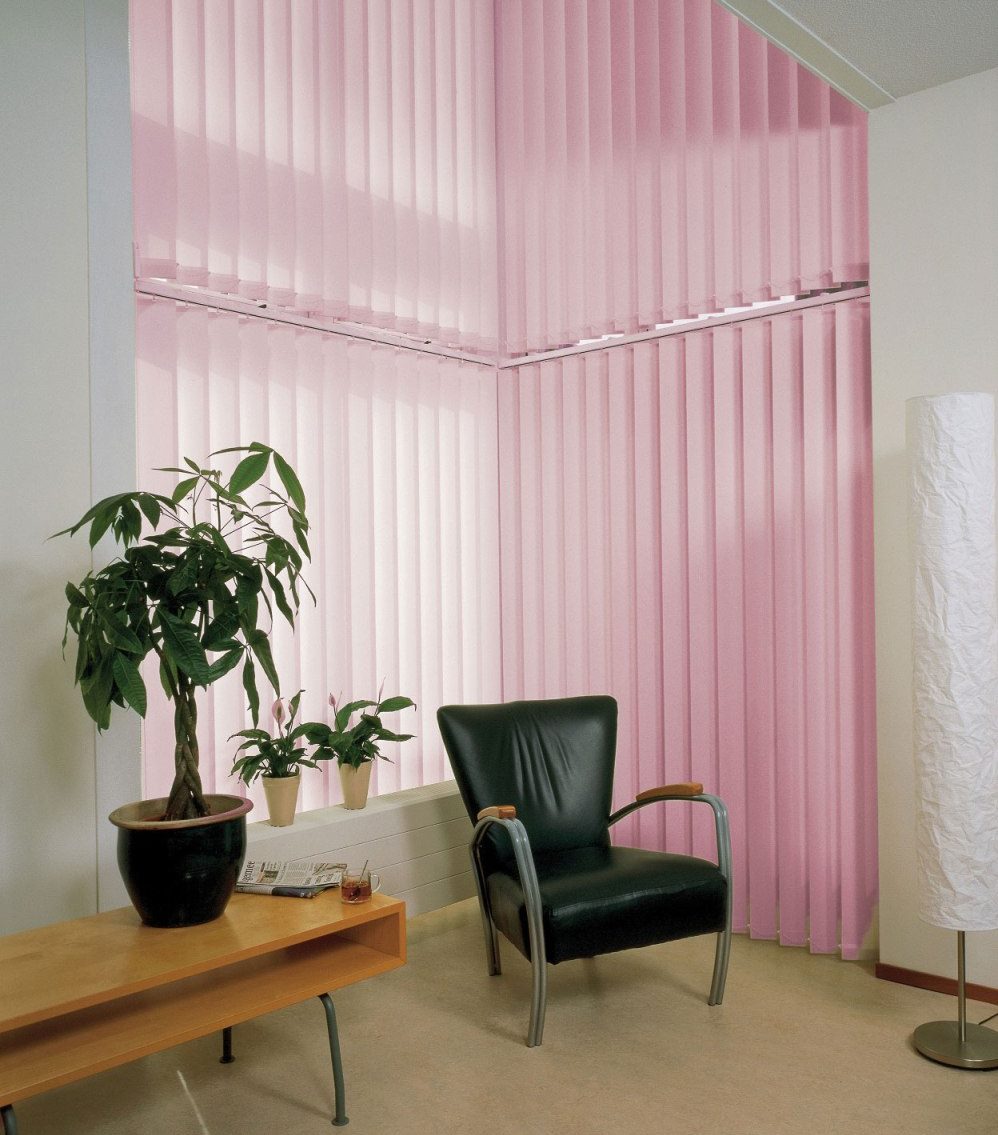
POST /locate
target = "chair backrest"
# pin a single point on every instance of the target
(552, 759)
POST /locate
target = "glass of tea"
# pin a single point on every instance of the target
(358, 886)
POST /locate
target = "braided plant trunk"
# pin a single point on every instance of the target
(186, 800)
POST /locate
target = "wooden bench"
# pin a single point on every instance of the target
(83, 996)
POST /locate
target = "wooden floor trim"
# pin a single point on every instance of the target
(937, 984)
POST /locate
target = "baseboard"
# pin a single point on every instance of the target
(937, 984)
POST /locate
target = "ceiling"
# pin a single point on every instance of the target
(876, 51)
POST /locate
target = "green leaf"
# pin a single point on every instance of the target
(251, 735)
(248, 768)
(282, 602)
(260, 645)
(302, 540)
(100, 525)
(392, 705)
(289, 480)
(99, 708)
(249, 685)
(317, 732)
(183, 488)
(222, 627)
(75, 596)
(387, 735)
(185, 575)
(246, 598)
(223, 665)
(97, 690)
(344, 712)
(150, 508)
(167, 673)
(180, 641)
(130, 683)
(119, 634)
(131, 522)
(248, 472)
(90, 514)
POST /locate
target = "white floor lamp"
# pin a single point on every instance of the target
(951, 466)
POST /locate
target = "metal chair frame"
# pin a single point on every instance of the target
(523, 856)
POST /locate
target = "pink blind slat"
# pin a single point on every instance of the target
(685, 524)
(329, 158)
(657, 160)
(397, 453)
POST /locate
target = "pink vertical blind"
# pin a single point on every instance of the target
(508, 177)
(685, 523)
(397, 454)
(659, 160)
(325, 157)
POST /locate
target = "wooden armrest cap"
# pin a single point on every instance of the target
(499, 812)
(688, 788)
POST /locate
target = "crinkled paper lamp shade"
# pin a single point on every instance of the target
(955, 641)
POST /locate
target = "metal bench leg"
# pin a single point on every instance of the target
(340, 1116)
(8, 1120)
(226, 1057)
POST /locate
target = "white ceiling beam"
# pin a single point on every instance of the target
(816, 55)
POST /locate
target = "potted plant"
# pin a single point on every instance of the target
(185, 595)
(276, 759)
(355, 747)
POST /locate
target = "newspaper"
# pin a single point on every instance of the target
(294, 879)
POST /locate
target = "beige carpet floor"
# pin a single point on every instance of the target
(802, 1044)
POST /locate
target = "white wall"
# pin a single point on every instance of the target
(934, 287)
(68, 399)
(47, 789)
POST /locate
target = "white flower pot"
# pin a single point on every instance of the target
(355, 782)
(282, 798)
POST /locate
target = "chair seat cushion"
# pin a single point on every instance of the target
(596, 900)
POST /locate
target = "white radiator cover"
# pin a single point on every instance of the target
(417, 840)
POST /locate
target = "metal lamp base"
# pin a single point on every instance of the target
(958, 1043)
(940, 1041)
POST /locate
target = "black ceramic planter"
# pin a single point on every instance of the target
(183, 872)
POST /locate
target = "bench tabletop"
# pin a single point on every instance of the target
(72, 965)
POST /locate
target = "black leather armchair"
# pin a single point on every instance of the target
(536, 778)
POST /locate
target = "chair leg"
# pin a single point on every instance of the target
(721, 954)
(532, 902)
(538, 1002)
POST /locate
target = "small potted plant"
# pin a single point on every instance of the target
(276, 759)
(184, 594)
(356, 746)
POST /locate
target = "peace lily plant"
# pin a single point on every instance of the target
(278, 755)
(359, 743)
(191, 591)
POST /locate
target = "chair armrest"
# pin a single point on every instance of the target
(498, 812)
(695, 794)
(669, 792)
